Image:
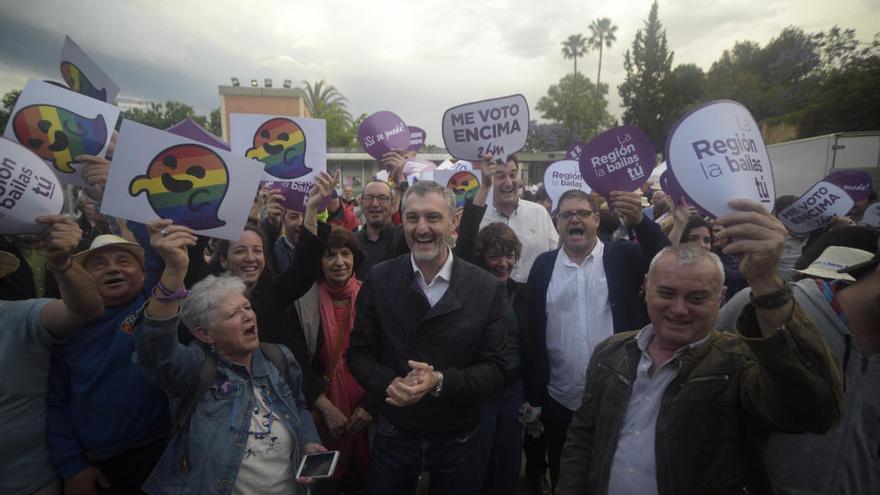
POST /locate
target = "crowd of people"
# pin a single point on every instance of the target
(621, 345)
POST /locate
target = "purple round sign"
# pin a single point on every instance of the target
(857, 183)
(620, 159)
(417, 137)
(574, 151)
(295, 192)
(382, 132)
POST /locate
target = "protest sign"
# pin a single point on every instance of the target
(83, 75)
(816, 208)
(417, 137)
(562, 176)
(58, 124)
(156, 174)
(871, 216)
(574, 151)
(619, 159)
(418, 169)
(498, 126)
(463, 183)
(292, 149)
(28, 189)
(716, 154)
(382, 132)
(857, 183)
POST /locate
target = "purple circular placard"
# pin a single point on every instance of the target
(620, 159)
(574, 151)
(295, 192)
(857, 183)
(382, 132)
(417, 137)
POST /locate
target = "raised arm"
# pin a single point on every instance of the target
(794, 365)
(469, 225)
(80, 300)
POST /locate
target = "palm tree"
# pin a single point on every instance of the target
(323, 98)
(601, 35)
(574, 47)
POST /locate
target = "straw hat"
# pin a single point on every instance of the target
(109, 240)
(836, 258)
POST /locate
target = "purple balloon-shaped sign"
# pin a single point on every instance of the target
(620, 159)
(382, 132)
(857, 183)
(574, 151)
(295, 192)
(417, 137)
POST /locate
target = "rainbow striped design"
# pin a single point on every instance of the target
(80, 83)
(464, 185)
(58, 135)
(198, 180)
(281, 145)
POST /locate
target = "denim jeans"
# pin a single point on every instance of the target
(453, 463)
(501, 436)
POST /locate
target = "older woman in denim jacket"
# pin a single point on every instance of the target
(250, 426)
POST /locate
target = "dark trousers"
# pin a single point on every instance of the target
(501, 436)
(129, 470)
(453, 463)
(556, 419)
(536, 460)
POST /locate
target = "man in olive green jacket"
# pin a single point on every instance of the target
(680, 408)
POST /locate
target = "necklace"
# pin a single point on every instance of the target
(267, 422)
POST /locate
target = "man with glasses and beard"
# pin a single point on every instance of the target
(428, 346)
(580, 295)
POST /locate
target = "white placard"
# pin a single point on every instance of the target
(871, 216)
(816, 208)
(716, 154)
(463, 183)
(58, 124)
(156, 174)
(562, 176)
(498, 126)
(28, 189)
(83, 75)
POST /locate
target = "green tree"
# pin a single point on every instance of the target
(847, 100)
(573, 104)
(601, 36)
(163, 116)
(324, 99)
(573, 48)
(214, 124)
(685, 87)
(9, 100)
(647, 67)
(341, 129)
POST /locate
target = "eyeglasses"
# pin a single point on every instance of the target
(381, 198)
(582, 214)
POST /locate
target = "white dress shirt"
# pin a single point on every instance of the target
(578, 318)
(532, 225)
(435, 290)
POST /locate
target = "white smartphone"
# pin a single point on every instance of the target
(319, 465)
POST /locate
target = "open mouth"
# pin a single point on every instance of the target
(576, 232)
(174, 185)
(113, 282)
(61, 142)
(273, 149)
(250, 331)
(250, 270)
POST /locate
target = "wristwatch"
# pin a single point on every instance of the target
(439, 387)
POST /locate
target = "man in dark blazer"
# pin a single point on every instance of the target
(428, 345)
(579, 295)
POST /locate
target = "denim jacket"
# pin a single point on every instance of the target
(218, 432)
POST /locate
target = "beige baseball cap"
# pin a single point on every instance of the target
(836, 258)
(109, 240)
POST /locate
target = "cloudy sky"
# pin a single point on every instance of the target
(415, 57)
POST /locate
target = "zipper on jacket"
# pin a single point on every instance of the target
(620, 376)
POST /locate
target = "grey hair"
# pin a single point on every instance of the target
(424, 187)
(199, 308)
(688, 254)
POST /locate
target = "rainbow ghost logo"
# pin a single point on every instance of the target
(281, 145)
(80, 83)
(464, 185)
(57, 135)
(186, 183)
